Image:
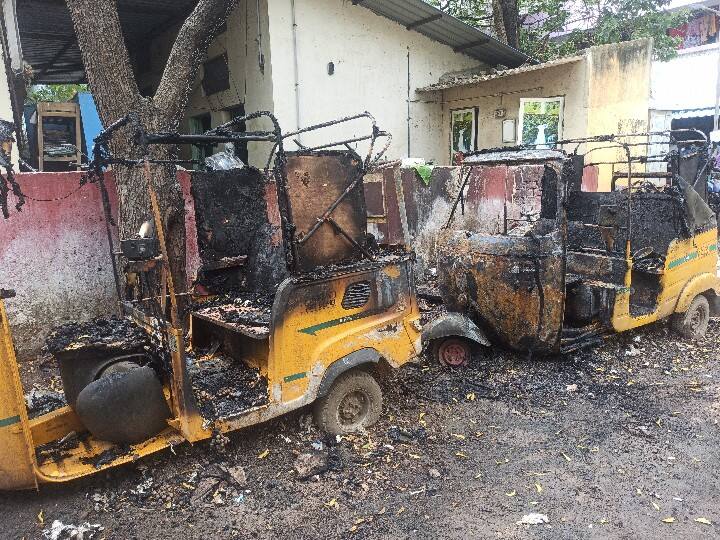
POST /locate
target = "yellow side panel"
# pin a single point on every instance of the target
(317, 330)
(686, 260)
(16, 449)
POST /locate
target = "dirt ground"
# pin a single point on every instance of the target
(620, 441)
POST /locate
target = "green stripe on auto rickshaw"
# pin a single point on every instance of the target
(313, 330)
(5, 422)
(296, 377)
(682, 260)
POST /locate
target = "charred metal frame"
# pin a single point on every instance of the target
(573, 338)
(170, 333)
(225, 134)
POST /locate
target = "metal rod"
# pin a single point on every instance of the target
(340, 230)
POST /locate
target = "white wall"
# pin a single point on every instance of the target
(6, 109)
(688, 81)
(370, 54)
(249, 84)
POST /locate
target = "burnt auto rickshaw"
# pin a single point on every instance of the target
(293, 306)
(582, 265)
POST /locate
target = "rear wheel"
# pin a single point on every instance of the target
(694, 322)
(353, 403)
(452, 352)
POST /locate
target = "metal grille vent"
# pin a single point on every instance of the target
(356, 295)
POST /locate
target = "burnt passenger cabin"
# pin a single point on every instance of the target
(652, 217)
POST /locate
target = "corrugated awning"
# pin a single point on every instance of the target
(475, 79)
(48, 38)
(693, 113)
(439, 26)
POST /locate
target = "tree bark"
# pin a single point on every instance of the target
(113, 85)
(505, 19)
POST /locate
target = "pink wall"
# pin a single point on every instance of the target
(55, 254)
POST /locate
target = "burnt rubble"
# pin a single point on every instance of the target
(99, 334)
(224, 387)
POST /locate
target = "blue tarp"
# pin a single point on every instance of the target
(90, 120)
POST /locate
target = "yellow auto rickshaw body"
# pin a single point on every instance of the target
(312, 337)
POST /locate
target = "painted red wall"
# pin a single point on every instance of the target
(55, 254)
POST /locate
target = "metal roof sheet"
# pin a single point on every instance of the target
(46, 29)
(439, 26)
(48, 37)
(475, 79)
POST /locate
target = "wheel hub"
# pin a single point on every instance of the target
(696, 319)
(353, 408)
(454, 353)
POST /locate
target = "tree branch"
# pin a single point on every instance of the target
(101, 42)
(189, 50)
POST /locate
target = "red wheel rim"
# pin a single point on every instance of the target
(454, 353)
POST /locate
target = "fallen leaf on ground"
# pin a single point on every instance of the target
(655, 506)
(512, 493)
(538, 487)
(264, 454)
(668, 520)
(704, 521)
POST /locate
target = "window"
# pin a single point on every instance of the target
(463, 131)
(199, 125)
(216, 76)
(541, 121)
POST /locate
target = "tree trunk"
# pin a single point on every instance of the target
(505, 19)
(112, 82)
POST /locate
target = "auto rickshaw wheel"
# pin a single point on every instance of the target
(694, 322)
(452, 352)
(353, 403)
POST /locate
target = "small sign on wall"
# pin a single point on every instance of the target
(508, 131)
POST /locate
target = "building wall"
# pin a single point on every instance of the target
(565, 80)
(370, 54)
(618, 78)
(56, 257)
(244, 40)
(688, 81)
(607, 92)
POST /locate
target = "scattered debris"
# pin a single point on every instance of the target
(60, 531)
(224, 387)
(310, 464)
(534, 519)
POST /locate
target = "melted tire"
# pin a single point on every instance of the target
(124, 406)
(328, 409)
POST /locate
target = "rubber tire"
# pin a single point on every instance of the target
(438, 343)
(681, 322)
(326, 411)
(126, 406)
(80, 368)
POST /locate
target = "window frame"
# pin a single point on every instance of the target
(521, 115)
